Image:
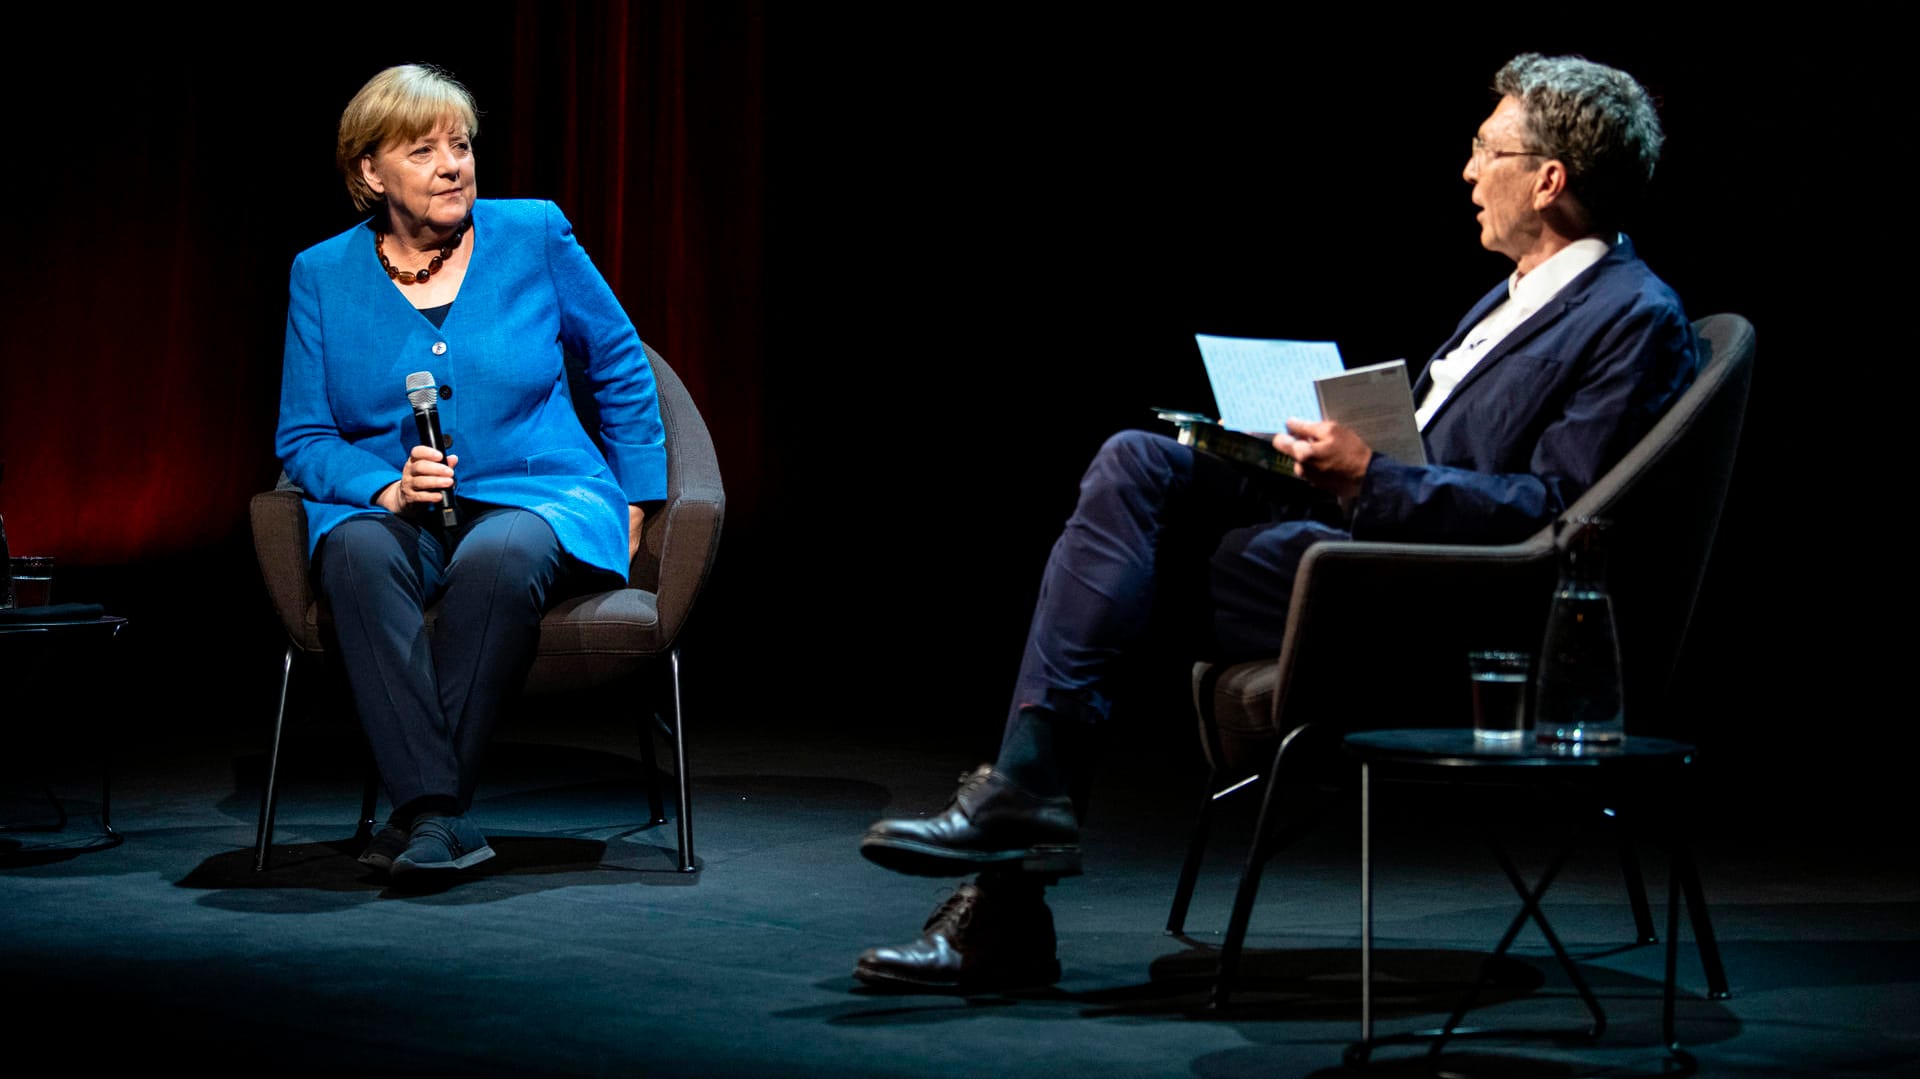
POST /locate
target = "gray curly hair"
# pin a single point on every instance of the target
(1596, 120)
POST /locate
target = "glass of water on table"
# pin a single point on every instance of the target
(1501, 681)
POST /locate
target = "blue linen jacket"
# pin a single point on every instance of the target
(530, 292)
(1542, 415)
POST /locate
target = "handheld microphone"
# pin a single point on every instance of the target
(424, 395)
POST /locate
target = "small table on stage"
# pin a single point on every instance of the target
(24, 649)
(1640, 765)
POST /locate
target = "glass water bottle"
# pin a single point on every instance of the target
(1578, 698)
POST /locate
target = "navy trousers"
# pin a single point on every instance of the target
(428, 703)
(1165, 544)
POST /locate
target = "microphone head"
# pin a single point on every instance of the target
(422, 391)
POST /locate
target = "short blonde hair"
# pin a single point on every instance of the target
(400, 103)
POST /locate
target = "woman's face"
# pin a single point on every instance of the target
(427, 181)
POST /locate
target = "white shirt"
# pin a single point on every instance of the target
(1525, 295)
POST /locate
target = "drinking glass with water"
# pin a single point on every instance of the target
(1500, 684)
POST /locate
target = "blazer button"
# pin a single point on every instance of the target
(439, 348)
(446, 391)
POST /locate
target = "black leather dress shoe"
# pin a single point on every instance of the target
(981, 939)
(990, 824)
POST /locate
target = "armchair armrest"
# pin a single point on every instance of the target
(1374, 627)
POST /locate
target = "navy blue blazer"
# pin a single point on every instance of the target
(1542, 415)
(530, 292)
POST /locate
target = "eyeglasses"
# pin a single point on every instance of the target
(1483, 152)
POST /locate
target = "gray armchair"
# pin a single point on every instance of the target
(585, 642)
(1377, 632)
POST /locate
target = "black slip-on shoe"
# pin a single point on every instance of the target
(439, 844)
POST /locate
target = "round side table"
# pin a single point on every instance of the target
(1455, 756)
(23, 645)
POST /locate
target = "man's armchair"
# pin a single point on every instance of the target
(1377, 632)
(586, 641)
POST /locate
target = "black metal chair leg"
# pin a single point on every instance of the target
(369, 800)
(106, 780)
(680, 768)
(106, 793)
(1196, 851)
(269, 798)
(263, 837)
(1237, 922)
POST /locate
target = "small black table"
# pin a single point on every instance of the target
(1454, 755)
(23, 644)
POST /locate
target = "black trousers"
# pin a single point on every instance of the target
(428, 703)
(1166, 546)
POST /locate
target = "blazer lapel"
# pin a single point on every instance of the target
(1521, 334)
(1487, 303)
(1575, 293)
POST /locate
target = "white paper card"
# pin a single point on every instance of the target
(1260, 384)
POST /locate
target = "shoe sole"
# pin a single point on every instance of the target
(880, 978)
(926, 860)
(401, 866)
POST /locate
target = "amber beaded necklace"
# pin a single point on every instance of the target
(419, 277)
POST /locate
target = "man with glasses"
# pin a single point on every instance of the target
(1546, 383)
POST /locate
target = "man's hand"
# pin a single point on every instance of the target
(424, 479)
(1327, 455)
(635, 518)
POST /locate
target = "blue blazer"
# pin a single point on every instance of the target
(530, 291)
(1542, 415)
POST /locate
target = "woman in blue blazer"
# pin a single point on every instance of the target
(486, 297)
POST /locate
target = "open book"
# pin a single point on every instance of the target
(1260, 384)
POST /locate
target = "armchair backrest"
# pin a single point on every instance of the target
(692, 469)
(679, 543)
(1377, 632)
(1665, 499)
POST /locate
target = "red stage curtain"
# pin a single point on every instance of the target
(159, 199)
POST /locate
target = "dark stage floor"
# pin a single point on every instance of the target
(580, 951)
